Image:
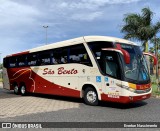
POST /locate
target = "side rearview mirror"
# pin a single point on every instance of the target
(153, 56)
(120, 50)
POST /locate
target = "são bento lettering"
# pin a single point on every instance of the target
(60, 71)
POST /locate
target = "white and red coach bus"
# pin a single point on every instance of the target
(92, 67)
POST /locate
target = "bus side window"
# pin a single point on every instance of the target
(78, 54)
(32, 59)
(44, 58)
(5, 62)
(54, 60)
(21, 60)
(60, 56)
(64, 55)
(57, 56)
(12, 62)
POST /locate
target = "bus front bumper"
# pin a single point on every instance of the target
(125, 99)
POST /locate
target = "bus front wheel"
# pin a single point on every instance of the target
(16, 89)
(90, 96)
(23, 90)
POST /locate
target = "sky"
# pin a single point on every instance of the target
(22, 21)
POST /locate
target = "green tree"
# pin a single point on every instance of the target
(155, 48)
(140, 27)
(155, 42)
(152, 49)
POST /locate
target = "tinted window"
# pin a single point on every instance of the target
(63, 55)
(12, 62)
(97, 46)
(5, 62)
(78, 54)
(21, 60)
(32, 60)
(60, 56)
(44, 58)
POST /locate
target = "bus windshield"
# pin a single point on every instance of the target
(137, 70)
(109, 63)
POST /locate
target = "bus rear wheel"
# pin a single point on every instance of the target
(23, 90)
(16, 90)
(90, 96)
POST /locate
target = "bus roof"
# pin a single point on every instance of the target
(76, 41)
(81, 40)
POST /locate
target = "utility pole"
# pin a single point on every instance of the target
(46, 27)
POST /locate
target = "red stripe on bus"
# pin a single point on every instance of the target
(36, 83)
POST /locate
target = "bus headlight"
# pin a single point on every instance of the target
(128, 88)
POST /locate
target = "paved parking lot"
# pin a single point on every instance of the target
(16, 105)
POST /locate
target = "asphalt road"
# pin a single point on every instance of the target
(144, 111)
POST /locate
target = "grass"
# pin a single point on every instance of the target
(1, 80)
(155, 91)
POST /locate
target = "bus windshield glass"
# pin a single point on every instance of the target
(137, 70)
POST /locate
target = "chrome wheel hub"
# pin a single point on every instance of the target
(23, 90)
(16, 89)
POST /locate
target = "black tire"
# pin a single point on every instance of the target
(23, 90)
(16, 90)
(90, 96)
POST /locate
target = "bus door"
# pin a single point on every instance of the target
(112, 72)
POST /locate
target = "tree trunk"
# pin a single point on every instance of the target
(146, 46)
(157, 73)
(147, 57)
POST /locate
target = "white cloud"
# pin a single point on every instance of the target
(121, 1)
(12, 13)
(91, 4)
(84, 10)
(86, 16)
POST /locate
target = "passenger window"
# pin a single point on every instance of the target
(64, 55)
(56, 59)
(12, 62)
(60, 56)
(6, 62)
(44, 58)
(32, 59)
(78, 54)
(22, 60)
